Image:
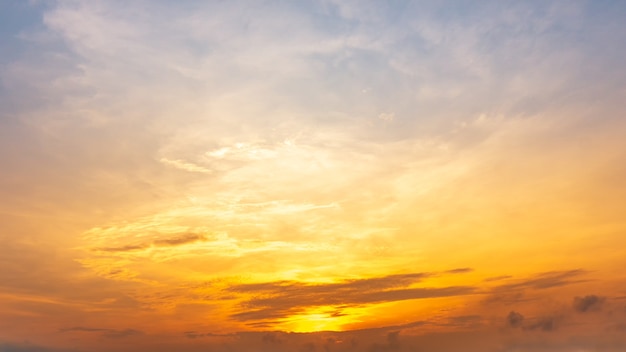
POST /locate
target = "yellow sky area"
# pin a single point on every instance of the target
(508, 207)
(310, 222)
(481, 192)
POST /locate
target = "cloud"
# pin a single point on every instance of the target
(514, 319)
(271, 338)
(460, 271)
(466, 320)
(126, 248)
(546, 280)
(588, 303)
(165, 242)
(498, 278)
(529, 289)
(196, 334)
(177, 241)
(8, 347)
(185, 165)
(280, 299)
(107, 333)
(545, 324)
(387, 116)
(384, 282)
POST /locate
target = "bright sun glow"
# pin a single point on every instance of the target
(318, 319)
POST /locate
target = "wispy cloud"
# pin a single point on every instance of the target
(515, 319)
(185, 165)
(547, 280)
(281, 299)
(588, 303)
(107, 333)
(163, 242)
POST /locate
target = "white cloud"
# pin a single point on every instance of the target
(185, 165)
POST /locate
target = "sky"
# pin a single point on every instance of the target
(312, 176)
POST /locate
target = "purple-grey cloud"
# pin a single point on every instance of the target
(547, 280)
(108, 333)
(165, 242)
(514, 319)
(588, 303)
(275, 300)
(498, 278)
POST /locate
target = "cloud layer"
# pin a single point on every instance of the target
(312, 176)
